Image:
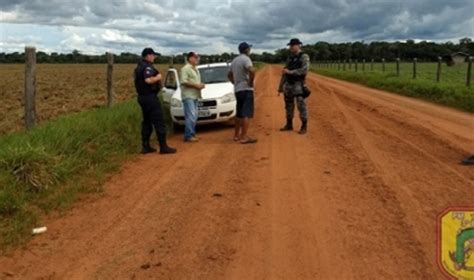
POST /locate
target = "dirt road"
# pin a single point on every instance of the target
(355, 198)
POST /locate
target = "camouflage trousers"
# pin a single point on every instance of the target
(293, 94)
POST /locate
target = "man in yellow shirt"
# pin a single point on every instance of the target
(191, 87)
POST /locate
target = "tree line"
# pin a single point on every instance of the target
(407, 50)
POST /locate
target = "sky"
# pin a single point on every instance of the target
(212, 26)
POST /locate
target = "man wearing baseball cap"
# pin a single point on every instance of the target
(191, 87)
(292, 85)
(147, 85)
(242, 75)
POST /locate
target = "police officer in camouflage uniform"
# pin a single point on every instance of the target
(147, 85)
(292, 85)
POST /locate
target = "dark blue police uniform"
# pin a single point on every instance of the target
(151, 107)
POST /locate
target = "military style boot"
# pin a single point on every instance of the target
(304, 127)
(164, 148)
(147, 149)
(469, 161)
(288, 126)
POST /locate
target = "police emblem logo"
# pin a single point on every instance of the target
(456, 243)
(148, 71)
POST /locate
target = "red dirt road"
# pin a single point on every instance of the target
(355, 198)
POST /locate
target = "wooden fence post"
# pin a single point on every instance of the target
(338, 65)
(469, 70)
(350, 64)
(30, 87)
(438, 70)
(344, 65)
(355, 65)
(414, 68)
(398, 67)
(110, 79)
(372, 64)
(383, 64)
(363, 65)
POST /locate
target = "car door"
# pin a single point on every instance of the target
(171, 85)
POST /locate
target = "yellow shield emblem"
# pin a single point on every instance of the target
(456, 243)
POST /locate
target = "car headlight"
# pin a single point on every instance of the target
(176, 103)
(228, 98)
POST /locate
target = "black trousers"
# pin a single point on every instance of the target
(152, 117)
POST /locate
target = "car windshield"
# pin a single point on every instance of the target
(214, 75)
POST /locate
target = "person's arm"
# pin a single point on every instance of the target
(283, 79)
(193, 85)
(300, 71)
(153, 80)
(251, 76)
(150, 77)
(251, 69)
(230, 76)
(282, 82)
(185, 81)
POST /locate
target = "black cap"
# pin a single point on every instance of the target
(294, 41)
(147, 51)
(191, 54)
(244, 46)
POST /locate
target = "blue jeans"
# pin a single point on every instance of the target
(190, 118)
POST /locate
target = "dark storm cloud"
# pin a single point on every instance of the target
(267, 24)
(362, 19)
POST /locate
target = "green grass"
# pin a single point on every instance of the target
(48, 168)
(450, 91)
(259, 65)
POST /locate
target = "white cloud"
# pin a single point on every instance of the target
(8, 16)
(117, 37)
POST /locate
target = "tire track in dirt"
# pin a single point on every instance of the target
(355, 198)
(403, 233)
(416, 186)
(368, 203)
(286, 241)
(437, 149)
(446, 123)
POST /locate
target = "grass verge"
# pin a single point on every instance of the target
(48, 168)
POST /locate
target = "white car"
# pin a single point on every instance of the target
(218, 102)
